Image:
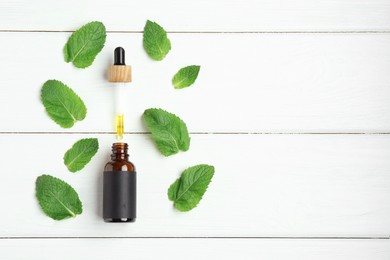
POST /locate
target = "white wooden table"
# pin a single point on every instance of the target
(292, 107)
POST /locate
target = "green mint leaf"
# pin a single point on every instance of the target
(185, 77)
(81, 154)
(188, 190)
(85, 44)
(169, 132)
(62, 104)
(156, 43)
(57, 198)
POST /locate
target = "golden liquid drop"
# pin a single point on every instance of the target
(119, 126)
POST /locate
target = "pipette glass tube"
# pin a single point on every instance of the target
(120, 102)
(121, 74)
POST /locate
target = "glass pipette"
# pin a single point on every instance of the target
(119, 73)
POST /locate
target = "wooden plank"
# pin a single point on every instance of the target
(196, 249)
(264, 185)
(248, 82)
(201, 15)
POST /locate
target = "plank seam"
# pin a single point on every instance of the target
(211, 32)
(199, 133)
(206, 237)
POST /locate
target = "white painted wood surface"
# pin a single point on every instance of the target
(193, 249)
(201, 15)
(311, 67)
(248, 83)
(264, 185)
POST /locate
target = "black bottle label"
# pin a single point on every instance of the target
(119, 196)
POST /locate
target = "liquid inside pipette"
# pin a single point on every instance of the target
(119, 126)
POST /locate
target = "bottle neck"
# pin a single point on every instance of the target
(119, 152)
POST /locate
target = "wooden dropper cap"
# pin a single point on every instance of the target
(119, 72)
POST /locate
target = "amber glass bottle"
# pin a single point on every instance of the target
(119, 186)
